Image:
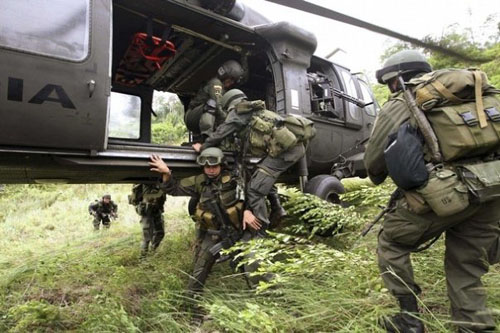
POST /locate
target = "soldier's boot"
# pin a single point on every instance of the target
(277, 211)
(407, 320)
(144, 249)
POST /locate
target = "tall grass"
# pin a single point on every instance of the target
(57, 274)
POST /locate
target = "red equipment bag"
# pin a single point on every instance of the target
(145, 55)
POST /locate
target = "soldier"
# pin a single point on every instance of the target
(280, 149)
(470, 234)
(149, 200)
(103, 211)
(215, 186)
(204, 112)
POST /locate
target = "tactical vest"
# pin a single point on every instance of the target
(465, 115)
(269, 133)
(148, 199)
(226, 192)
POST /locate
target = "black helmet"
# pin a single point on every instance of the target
(231, 69)
(402, 62)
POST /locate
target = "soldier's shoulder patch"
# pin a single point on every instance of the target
(225, 179)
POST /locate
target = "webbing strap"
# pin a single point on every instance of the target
(423, 95)
(446, 93)
(478, 84)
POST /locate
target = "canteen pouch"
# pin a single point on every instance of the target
(445, 193)
(404, 158)
(482, 180)
(282, 139)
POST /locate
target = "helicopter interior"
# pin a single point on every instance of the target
(192, 58)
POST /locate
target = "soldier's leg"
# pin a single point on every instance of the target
(96, 222)
(277, 211)
(202, 266)
(265, 176)
(207, 123)
(467, 257)
(147, 234)
(494, 252)
(401, 234)
(106, 222)
(249, 269)
(158, 231)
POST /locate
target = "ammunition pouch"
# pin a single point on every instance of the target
(482, 180)
(269, 135)
(206, 218)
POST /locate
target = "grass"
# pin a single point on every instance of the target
(56, 274)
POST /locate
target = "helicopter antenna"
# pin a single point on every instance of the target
(336, 16)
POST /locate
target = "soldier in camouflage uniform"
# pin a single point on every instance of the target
(204, 112)
(149, 200)
(215, 184)
(103, 211)
(267, 170)
(470, 234)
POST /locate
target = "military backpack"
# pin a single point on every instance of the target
(269, 133)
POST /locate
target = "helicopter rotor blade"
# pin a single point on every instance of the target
(311, 8)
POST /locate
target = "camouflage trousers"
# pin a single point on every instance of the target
(472, 243)
(204, 261)
(264, 177)
(153, 231)
(105, 220)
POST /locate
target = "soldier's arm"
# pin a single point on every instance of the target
(92, 208)
(233, 123)
(170, 185)
(392, 115)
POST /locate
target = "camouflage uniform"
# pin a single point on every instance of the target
(223, 189)
(471, 235)
(149, 205)
(211, 116)
(102, 212)
(267, 170)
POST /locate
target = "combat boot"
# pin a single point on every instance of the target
(407, 320)
(278, 213)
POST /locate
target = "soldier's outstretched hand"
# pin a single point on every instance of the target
(197, 147)
(158, 165)
(250, 220)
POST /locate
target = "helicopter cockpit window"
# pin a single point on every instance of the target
(367, 98)
(350, 87)
(125, 116)
(25, 27)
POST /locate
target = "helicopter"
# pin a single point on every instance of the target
(64, 79)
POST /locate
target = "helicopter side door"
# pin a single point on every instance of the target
(54, 74)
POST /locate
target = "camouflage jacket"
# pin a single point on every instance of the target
(208, 91)
(100, 208)
(149, 199)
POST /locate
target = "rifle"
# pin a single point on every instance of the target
(227, 232)
(390, 206)
(422, 122)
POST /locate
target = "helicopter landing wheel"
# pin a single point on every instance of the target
(325, 187)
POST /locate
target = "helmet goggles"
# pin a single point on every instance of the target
(208, 160)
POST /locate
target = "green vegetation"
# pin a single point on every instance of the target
(168, 126)
(57, 274)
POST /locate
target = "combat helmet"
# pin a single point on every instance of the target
(232, 97)
(402, 62)
(107, 196)
(231, 69)
(211, 156)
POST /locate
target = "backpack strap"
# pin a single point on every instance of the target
(478, 83)
(446, 93)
